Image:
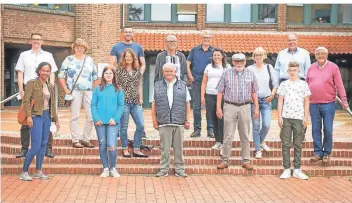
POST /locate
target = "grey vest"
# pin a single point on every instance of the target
(177, 113)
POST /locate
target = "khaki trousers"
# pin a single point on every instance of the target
(236, 116)
(171, 135)
(79, 98)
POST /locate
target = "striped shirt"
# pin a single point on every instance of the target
(237, 87)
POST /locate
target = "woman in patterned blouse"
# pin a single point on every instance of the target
(129, 76)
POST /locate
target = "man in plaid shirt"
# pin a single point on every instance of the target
(237, 86)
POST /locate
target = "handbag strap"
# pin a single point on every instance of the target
(270, 80)
(74, 84)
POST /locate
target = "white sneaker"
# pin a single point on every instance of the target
(114, 173)
(258, 155)
(265, 147)
(286, 174)
(217, 146)
(25, 176)
(105, 173)
(297, 173)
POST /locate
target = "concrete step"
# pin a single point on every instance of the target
(15, 139)
(189, 160)
(95, 169)
(187, 151)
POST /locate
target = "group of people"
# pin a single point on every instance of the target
(232, 95)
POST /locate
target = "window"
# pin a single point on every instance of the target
(60, 7)
(295, 13)
(215, 12)
(186, 12)
(345, 13)
(241, 13)
(266, 13)
(161, 12)
(172, 13)
(321, 13)
(136, 12)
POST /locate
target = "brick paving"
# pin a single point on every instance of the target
(206, 188)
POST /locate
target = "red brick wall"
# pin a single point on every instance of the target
(19, 22)
(2, 58)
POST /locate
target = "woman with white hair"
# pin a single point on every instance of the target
(325, 82)
(267, 83)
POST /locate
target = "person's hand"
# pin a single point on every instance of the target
(269, 99)
(57, 125)
(280, 121)
(219, 113)
(141, 101)
(202, 100)
(256, 113)
(190, 79)
(67, 91)
(305, 122)
(187, 125)
(155, 125)
(22, 94)
(29, 121)
(345, 106)
(98, 123)
(112, 122)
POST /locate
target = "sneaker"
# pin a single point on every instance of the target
(162, 174)
(41, 176)
(297, 173)
(114, 173)
(265, 147)
(221, 151)
(211, 133)
(105, 173)
(25, 176)
(181, 174)
(258, 155)
(286, 174)
(217, 146)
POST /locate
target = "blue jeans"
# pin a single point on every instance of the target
(107, 137)
(39, 135)
(197, 114)
(136, 112)
(325, 113)
(260, 134)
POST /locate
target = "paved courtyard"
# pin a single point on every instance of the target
(206, 188)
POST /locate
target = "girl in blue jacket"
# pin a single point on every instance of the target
(107, 107)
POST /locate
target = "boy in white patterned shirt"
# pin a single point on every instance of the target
(293, 111)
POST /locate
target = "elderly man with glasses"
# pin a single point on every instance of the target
(237, 86)
(171, 55)
(325, 82)
(199, 58)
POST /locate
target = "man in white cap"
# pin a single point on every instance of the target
(238, 86)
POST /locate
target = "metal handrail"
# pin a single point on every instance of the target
(9, 98)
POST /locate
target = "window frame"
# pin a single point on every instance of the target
(341, 23)
(307, 17)
(50, 7)
(148, 16)
(254, 16)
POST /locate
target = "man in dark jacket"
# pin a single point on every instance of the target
(171, 112)
(171, 55)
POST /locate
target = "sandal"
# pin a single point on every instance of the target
(77, 145)
(87, 144)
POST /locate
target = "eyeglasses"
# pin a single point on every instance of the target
(239, 61)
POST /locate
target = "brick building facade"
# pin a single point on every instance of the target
(100, 25)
